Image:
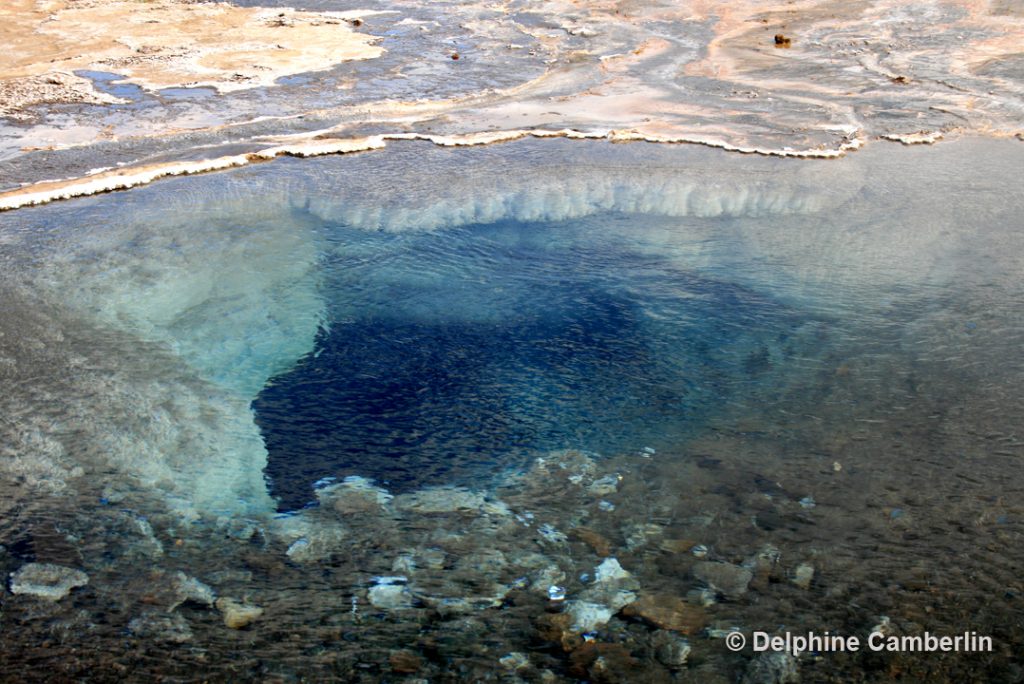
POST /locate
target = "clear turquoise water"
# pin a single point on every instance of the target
(824, 357)
(456, 355)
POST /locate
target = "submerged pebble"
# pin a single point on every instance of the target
(47, 581)
(390, 593)
(608, 484)
(514, 661)
(187, 588)
(610, 570)
(238, 615)
(670, 649)
(803, 575)
(161, 626)
(772, 668)
(725, 578)
(588, 616)
(668, 612)
(552, 535)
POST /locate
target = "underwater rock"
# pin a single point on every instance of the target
(803, 575)
(596, 541)
(638, 535)
(404, 564)
(441, 500)
(667, 612)
(488, 596)
(725, 578)
(772, 668)
(557, 628)
(764, 560)
(354, 495)
(612, 589)
(47, 581)
(670, 649)
(390, 593)
(432, 558)
(587, 616)
(187, 588)
(550, 534)
(404, 662)
(241, 530)
(701, 597)
(320, 542)
(609, 484)
(597, 605)
(138, 529)
(676, 545)
(487, 562)
(238, 615)
(610, 571)
(169, 627)
(514, 661)
(763, 566)
(559, 468)
(603, 662)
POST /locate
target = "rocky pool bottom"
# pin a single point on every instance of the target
(864, 482)
(748, 527)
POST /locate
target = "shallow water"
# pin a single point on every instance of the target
(618, 351)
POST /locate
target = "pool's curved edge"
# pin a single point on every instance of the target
(312, 145)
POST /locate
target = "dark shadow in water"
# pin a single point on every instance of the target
(564, 357)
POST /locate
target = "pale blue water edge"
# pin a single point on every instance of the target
(800, 351)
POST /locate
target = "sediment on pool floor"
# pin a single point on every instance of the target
(605, 569)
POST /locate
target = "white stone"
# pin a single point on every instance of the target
(46, 581)
(609, 570)
(514, 661)
(390, 596)
(803, 575)
(587, 616)
(190, 589)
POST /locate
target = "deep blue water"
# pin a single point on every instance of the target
(454, 355)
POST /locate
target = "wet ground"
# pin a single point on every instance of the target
(841, 75)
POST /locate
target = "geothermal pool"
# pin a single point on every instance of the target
(548, 410)
(454, 355)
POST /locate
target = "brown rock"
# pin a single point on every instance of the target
(667, 612)
(557, 628)
(404, 662)
(726, 578)
(601, 662)
(676, 545)
(598, 542)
